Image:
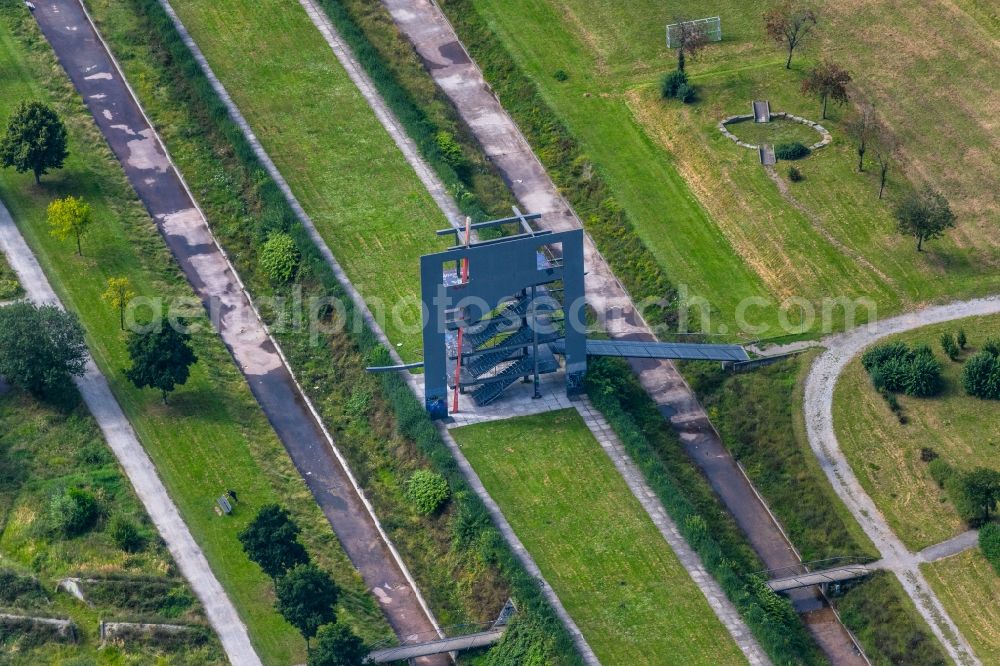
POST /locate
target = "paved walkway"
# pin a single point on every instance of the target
(423, 23)
(953, 546)
(819, 390)
(179, 219)
(137, 465)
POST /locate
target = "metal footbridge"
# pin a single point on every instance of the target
(419, 646)
(845, 569)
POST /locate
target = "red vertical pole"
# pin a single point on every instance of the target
(465, 280)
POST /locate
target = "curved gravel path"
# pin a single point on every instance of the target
(820, 385)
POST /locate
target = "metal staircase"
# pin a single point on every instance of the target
(492, 390)
(487, 361)
(513, 311)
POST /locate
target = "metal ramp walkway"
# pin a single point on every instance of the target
(855, 568)
(456, 644)
(676, 351)
(761, 111)
(491, 632)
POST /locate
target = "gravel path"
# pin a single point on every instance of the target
(819, 390)
(137, 465)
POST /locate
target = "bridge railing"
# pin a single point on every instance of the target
(814, 566)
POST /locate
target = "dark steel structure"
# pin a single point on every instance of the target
(524, 293)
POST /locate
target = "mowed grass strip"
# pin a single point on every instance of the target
(212, 436)
(596, 546)
(969, 588)
(706, 208)
(885, 454)
(342, 165)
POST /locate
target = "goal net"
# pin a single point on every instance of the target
(711, 28)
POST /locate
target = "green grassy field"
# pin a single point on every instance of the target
(775, 132)
(706, 208)
(43, 450)
(350, 177)
(969, 588)
(212, 436)
(593, 541)
(885, 454)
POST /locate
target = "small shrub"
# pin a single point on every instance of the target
(685, 93)
(992, 346)
(981, 376)
(560, 75)
(451, 151)
(279, 257)
(949, 346)
(73, 511)
(940, 471)
(790, 151)
(671, 83)
(989, 543)
(9, 289)
(125, 534)
(795, 175)
(961, 339)
(927, 454)
(427, 491)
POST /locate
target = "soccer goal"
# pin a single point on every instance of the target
(711, 28)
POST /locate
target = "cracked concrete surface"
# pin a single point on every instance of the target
(185, 230)
(138, 467)
(820, 385)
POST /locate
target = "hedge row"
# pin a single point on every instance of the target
(701, 519)
(570, 168)
(458, 557)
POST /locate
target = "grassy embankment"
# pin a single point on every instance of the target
(761, 420)
(593, 541)
(885, 456)
(43, 450)
(212, 436)
(460, 562)
(711, 215)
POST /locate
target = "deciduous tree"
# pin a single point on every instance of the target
(117, 295)
(925, 215)
(687, 38)
(789, 24)
(271, 540)
(70, 217)
(861, 128)
(35, 140)
(884, 145)
(161, 359)
(336, 645)
(41, 347)
(306, 599)
(828, 81)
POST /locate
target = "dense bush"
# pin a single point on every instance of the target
(981, 376)
(992, 346)
(23, 591)
(141, 596)
(974, 494)
(451, 151)
(671, 83)
(686, 93)
(897, 368)
(694, 507)
(279, 257)
(125, 534)
(877, 612)
(949, 346)
(73, 511)
(790, 151)
(989, 543)
(795, 175)
(560, 75)
(426, 490)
